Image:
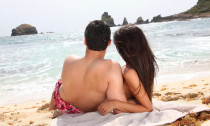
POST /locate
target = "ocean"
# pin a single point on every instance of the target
(30, 65)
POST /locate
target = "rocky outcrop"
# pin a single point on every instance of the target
(147, 21)
(157, 18)
(107, 19)
(178, 17)
(125, 22)
(24, 29)
(141, 21)
(200, 10)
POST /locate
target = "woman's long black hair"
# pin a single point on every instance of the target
(133, 47)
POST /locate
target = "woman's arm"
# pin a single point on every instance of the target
(138, 90)
(130, 107)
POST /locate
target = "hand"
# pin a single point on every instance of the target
(106, 107)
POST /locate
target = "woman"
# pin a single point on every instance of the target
(138, 73)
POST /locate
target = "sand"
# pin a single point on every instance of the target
(185, 92)
(32, 113)
(192, 91)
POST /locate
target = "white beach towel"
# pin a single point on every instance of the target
(163, 113)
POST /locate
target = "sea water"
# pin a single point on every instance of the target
(30, 65)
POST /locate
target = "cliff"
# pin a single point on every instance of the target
(202, 7)
(200, 10)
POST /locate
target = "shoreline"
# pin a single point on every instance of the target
(157, 85)
(190, 92)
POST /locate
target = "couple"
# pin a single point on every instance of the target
(93, 83)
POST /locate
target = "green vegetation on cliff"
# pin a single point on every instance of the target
(203, 6)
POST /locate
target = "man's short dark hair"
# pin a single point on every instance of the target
(97, 35)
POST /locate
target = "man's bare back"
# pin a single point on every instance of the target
(86, 81)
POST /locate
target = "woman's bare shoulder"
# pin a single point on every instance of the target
(130, 74)
(131, 78)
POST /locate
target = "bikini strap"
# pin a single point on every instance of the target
(126, 68)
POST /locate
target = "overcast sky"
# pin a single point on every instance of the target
(62, 16)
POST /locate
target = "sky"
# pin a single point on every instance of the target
(63, 16)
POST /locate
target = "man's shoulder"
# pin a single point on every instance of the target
(71, 58)
(116, 64)
(110, 64)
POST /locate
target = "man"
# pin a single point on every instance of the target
(89, 80)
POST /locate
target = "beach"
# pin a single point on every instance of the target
(28, 76)
(181, 49)
(188, 92)
(25, 114)
(38, 36)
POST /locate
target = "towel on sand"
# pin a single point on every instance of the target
(163, 113)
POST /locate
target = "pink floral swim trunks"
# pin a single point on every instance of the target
(60, 104)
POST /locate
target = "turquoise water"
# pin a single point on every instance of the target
(30, 65)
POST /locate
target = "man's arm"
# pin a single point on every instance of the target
(115, 90)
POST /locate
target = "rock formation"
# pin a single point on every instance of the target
(24, 29)
(108, 19)
(147, 21)
(200, 10)
(125, 22)
(141, 21)
(157, 18)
